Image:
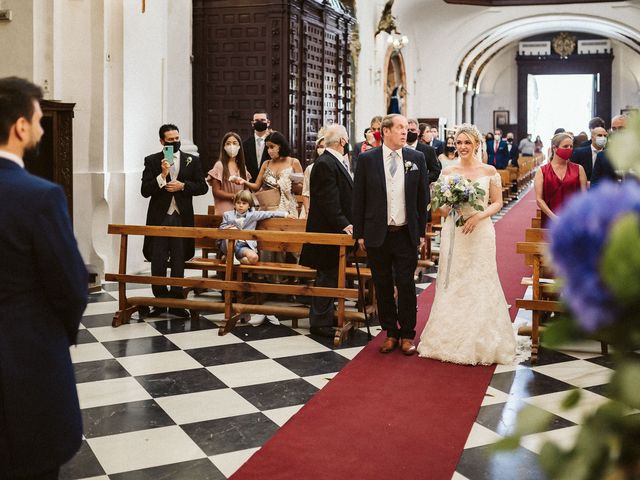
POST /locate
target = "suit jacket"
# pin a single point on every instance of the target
(194, 184)
(250, 157)
(370, 197)
(499, 159)
(603, 169)
(583, 156)
(331, 192)
(513, 154)
(438, 146)
(43, 292)
(434, 166)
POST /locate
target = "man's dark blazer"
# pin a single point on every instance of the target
(43, 292)
(331, 191)
(370, 197)
(250, 156)
(437, 145)
(513, 154)
(603, 169)
(194, 184)
(583, 156)
(434, 166)
(499, 159)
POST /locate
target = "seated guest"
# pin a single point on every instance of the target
(557, 180)
(586, 156)
(306, 184)
(230, 165)
(450, 156)
(275, 174)
(244, 217)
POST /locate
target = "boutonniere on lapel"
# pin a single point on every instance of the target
(409, 166)
(189, 159)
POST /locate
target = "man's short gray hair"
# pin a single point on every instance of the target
(334, 133)
(414, 121)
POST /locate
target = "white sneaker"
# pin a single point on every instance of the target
(272, 320)
(256, 320)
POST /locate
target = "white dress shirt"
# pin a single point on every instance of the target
(12, 156)
(396, 207)
(173, 172)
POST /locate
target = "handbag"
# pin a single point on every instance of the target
(268, 199)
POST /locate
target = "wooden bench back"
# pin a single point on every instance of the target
(282, 225)
(207, 221)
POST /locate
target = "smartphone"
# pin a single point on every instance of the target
(168, 154)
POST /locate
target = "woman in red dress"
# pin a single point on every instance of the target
(557, 180)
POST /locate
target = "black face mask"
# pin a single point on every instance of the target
(346, 148)
(175, 145)
(510, 140)
(259, 126)
(412, 137)
(449, 149)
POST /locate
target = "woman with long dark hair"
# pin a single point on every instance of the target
(229, 166)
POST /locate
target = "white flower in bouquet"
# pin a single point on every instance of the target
(454, 191)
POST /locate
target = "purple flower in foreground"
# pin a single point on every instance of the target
(577, 241)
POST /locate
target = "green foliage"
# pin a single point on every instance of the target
(622, 278)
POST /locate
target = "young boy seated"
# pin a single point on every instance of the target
(244, 217)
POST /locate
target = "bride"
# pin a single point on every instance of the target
(469, 321)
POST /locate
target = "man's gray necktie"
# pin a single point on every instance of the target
(394, 164)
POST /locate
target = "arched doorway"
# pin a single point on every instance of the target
(395, 82)
(473, 65)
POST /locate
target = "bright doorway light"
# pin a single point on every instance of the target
(559, 101)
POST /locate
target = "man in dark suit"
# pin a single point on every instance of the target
(43, 292)
(331, 188)
(595, 122)
(171, 187)
(586, 156)
(438, 145)
(390, 198)
(497, 151)
(254, 147)
(433, 164)
(602, 167)
(512, 151)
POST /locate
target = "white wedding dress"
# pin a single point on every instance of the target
(469, 321)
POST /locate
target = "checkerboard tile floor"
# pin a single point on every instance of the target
(169, 398)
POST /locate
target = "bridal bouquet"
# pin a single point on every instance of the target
(454, 191)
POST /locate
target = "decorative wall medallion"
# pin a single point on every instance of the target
(564, 44)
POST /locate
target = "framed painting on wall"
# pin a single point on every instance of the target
(500, 118)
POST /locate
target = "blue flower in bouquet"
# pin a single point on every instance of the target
(578, 240)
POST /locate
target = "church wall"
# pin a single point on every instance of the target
(441, 34)
(17, 39)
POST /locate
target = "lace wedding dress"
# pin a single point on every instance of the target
(469, 321)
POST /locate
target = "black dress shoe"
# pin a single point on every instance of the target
(157, 311)
(179, 312)
(143, 311)
(322, 331)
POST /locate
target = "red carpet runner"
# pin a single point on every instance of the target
(389, 416)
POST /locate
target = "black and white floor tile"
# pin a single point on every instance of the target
(168, 398)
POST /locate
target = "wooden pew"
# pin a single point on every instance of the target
(545, 298)
(233, 282)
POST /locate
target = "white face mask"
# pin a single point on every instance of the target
(601, 141)
(232, 150)
(320, 150)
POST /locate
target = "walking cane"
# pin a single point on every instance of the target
(361, 293)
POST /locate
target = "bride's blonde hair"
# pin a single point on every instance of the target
(470, 131)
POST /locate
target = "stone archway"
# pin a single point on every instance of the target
(395, 81)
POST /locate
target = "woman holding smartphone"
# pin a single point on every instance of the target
(229, 167)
